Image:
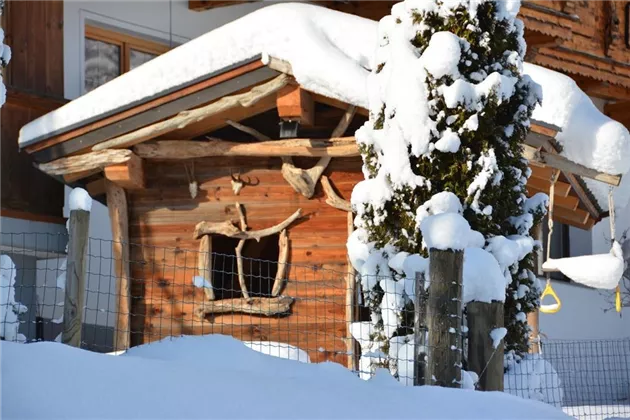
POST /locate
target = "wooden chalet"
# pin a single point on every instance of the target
(238, 156)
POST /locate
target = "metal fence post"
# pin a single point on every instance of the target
(75, 277)
(419, 331)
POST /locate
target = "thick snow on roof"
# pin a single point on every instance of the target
(218, 377)
(328, 50)
(330, 53)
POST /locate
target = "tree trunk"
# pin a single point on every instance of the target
(444, 314)
(483, 358)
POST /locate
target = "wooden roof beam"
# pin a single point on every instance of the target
(296, 104)
(563, 164)
(182, 149)
(128, 175)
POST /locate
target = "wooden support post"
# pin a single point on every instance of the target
(117, 205)
(444, 315)
(419, 332)
(75, 277)
(483, 358)
(351, 344)
(128, 175)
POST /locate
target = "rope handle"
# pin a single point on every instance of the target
(553, 307)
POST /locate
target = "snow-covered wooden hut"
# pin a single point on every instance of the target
(247, 132)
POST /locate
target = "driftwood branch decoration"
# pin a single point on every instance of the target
(239, 250)
(332, 198)
(305, 180)
(283, 245)
(256, 306)
(253, 306)
(228, 229)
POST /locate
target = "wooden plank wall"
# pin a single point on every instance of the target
(162, 219)
(34, 31)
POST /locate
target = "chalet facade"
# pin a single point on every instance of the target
(141, 157)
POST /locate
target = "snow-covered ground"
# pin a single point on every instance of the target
(219, 377)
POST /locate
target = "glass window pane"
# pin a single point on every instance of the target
(102, 63)
(138, 58)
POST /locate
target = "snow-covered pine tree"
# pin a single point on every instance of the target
(449, 111)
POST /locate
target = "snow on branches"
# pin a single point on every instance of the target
(449, 110)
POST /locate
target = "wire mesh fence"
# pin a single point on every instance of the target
(318, 315)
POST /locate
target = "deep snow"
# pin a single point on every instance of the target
(219, 377)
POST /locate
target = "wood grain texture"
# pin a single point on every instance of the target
(162, 222)
(74, 301)
(118, 214)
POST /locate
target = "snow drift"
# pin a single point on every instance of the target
(218, 377)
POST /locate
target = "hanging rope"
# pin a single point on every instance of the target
(613, 237)
(554, 307)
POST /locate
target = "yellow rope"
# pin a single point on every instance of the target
(548, 291)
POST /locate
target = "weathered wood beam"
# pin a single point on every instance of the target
(128, 175)
(184, 118)
(296, 104)
(182, 149)
(119, 217)
(333, 199)
(556, 161)
(254, 306)
(86, 162)
(231, 231)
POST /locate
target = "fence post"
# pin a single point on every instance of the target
(75, 277)
(419, 332)
(444, 315)
(483, 358)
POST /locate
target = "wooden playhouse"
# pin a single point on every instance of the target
(244, 162)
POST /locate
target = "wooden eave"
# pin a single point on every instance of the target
(90, 132)
(576, 206)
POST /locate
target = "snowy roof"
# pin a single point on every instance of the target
(330, 53)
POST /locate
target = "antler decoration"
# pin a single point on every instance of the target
(238, 183)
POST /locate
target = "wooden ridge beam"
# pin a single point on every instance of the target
(176, 149)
